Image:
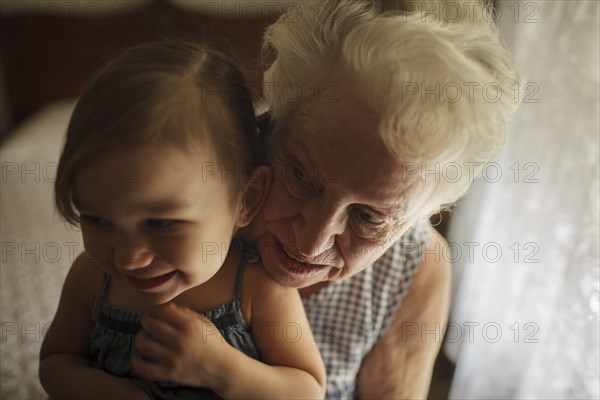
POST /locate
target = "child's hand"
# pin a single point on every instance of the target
(180, 346)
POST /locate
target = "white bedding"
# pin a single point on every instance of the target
(37, 247)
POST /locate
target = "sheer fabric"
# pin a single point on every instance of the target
(525, 241)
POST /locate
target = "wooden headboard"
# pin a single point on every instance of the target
(45, 56)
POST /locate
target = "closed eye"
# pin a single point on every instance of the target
(369, 225)
(369, 216)
(162, 223)
(295, 179)
(297, 172)
(93, 220)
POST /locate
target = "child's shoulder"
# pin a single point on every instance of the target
(261, 291)
(84, 280)
(85, 270)
(258, 281)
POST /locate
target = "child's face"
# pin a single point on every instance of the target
(159, 219)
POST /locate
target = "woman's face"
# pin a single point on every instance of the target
(337, 201)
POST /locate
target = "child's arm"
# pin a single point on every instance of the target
(65, 368)
(291, 365)
(191, 351)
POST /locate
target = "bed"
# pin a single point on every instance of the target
(46, 59)
(37, 247)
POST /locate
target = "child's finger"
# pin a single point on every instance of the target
(150, 348)
(177, 316)
(158, 328)
(148, 369)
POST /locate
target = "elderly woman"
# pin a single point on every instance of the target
(381, 114)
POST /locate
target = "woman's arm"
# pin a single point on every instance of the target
(65, 368)
(401, 363)
(183, 347)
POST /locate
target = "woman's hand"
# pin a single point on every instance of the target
(180, 346)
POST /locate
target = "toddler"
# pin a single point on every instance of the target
(161, 169)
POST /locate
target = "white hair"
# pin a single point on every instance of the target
(435, 72)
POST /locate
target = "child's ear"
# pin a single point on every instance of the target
(254, 195)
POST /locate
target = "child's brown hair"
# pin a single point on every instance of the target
(169, 92)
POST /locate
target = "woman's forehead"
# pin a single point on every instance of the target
(344, 117)
(338, 140)
(358, 174)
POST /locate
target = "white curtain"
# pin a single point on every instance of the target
(525, 240)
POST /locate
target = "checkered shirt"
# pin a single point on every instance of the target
(349, 316)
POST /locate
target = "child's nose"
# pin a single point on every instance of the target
(132, 254)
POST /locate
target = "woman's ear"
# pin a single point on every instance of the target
(254, 195)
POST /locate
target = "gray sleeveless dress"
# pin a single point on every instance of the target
(112, 340)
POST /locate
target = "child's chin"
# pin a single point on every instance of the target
(158, 299)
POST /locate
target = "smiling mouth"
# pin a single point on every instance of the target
(295, 265)
(292, 257)
(150, 283)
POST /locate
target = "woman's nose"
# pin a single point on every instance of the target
(317, 226)
(130, 253)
